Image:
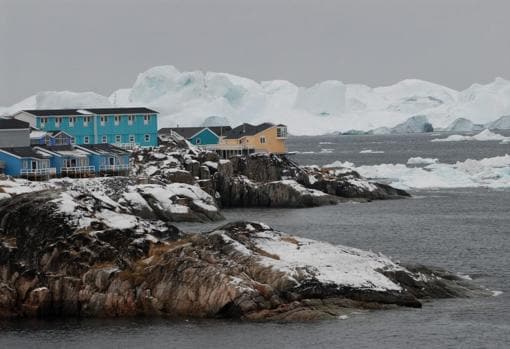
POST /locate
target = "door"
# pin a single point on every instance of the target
(34, 165)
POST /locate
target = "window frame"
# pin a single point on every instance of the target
(104, 139)
(86, 140)
(147, 138)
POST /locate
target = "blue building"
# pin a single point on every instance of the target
(26, 162)
(68, 161)
(197, 135)
(107, 159)
(50, 138)
(123, 127)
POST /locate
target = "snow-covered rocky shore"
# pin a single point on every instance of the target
(91, 261)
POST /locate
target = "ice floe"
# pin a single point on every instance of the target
(491, 172)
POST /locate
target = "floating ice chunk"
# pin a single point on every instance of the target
(370, 151)
(421, 161)
(485, 135)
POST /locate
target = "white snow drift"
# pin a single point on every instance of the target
(195, 98)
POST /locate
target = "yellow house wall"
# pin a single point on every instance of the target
(272, 145)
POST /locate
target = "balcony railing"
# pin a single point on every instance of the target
(113, 168)
(77, 170)
(126, 146)
(29, 172)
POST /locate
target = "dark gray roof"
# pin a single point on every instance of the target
(185, 132)
(52, 112)
(220, 130)
(247, 130)
(82, 111)
(12, 124)
(135, 110)
(25, 152)
(105, 149)
(188, 132)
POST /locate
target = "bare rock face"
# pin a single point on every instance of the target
(347, 184)
(88, 264)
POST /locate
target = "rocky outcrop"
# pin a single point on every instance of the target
(257, 180)
(174, 202)
(347, 184)
(60, 263)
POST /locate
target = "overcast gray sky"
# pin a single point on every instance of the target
(101, 45)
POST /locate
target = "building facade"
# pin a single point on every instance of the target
(14, 133)
(247, 138)
(123, 127)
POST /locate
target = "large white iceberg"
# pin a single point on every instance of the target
(189, 98)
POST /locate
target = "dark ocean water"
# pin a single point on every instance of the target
(463, 230)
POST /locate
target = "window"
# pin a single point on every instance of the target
(73, 140)
(147, 138)
(198, 141)
(146, 119)
(117, 120)
(131, 118)
(118, 138)
(131, 138)
(43, 122)
(103, 120)
(262, 140)
(86, 140)
(104, 139)
(86, 120)
(58, 121)
(281, 132)
(72, 120)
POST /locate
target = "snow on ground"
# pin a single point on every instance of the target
(192, 98)
(489, 172)
(340, 265)
(485, 135)
(300, 188)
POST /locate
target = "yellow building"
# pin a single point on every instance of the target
(247, 139)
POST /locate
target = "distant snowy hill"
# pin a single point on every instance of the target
(196, 98)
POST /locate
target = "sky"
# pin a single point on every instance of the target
(101, 45)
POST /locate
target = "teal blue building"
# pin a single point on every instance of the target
(197, 135)
(123, 127)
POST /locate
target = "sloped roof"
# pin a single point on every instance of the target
(188, 132)
(247, 130)
(6, 124)
(64, 150)
(185, 132)
(25, 152)
(104, 149)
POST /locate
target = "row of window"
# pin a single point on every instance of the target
(118, 139)
(86, 120)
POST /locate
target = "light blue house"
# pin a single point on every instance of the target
(68, 161)
(27, 162)
(50, 138)
(107, 159)
(123, 127)
(197, 135)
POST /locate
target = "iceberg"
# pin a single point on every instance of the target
(187, 98)
(485, 135)
(463, 125)
(503, 123)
